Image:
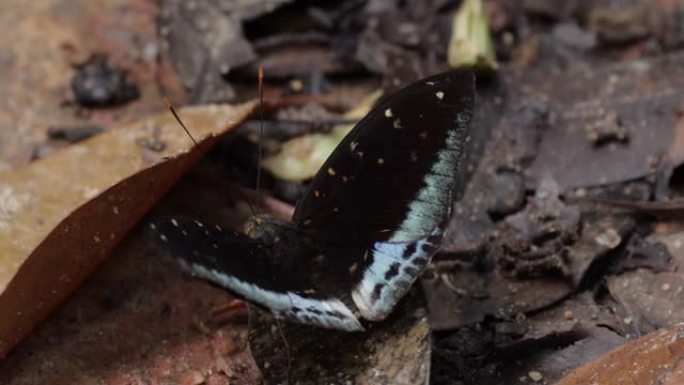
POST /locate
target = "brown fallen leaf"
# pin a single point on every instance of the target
(657, 358)
(61, 215)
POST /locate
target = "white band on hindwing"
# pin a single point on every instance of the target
(330, 313)
(394, 268)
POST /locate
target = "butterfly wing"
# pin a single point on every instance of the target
(267, 276)
(370, 222)
(381, 200)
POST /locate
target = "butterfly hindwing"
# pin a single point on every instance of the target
(392, 271)
(250, 269)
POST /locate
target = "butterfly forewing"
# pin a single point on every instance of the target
(378, 169)
(380, 202)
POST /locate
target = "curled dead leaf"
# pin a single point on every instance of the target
(61, 215)
(471, 43)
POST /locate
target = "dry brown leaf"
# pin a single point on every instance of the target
(657, 358)
(62, 215)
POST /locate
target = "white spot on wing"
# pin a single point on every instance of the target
(388, 113)
(440, 95)
(414, 156)
(329, 313)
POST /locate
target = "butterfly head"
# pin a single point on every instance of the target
(266, 229)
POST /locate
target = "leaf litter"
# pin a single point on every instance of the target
(527, 267)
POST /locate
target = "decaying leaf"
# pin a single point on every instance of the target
(471, 43)
(61, 215)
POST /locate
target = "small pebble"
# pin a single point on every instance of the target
(535, 376)
(609, 238)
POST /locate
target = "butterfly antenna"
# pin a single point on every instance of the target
(252, 209)
(261, 136)
(287, 351)
(178, 119)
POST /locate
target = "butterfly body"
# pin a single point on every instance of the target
(370, 222)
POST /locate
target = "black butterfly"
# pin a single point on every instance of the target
(368, 225)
